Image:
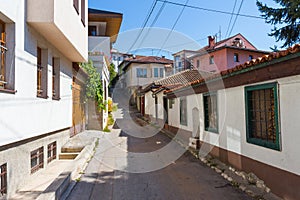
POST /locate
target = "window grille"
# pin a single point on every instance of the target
(52, 152)
(262, 115)
(37, 159)
(3, 179)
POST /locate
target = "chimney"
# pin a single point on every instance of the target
(211, 41)
(163, 56)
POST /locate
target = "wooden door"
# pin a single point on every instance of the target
(142, 105)
(78, 110)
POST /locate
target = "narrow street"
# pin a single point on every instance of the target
(118, 171)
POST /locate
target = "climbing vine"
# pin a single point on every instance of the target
(94, 89)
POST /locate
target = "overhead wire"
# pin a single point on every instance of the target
(226, 35)
(170, 32)
(211, 10)
(153, 23)
(236, 17)
(144, 24)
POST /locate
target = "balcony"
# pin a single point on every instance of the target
(59, 22)
(99, 44)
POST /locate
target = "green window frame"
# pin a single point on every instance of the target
(262, 117)
(210, 105)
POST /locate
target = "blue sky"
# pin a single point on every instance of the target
(194, 24)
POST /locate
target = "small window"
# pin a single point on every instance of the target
(37, 159)
(42, 70)
(3, 50)
(55, 78)
(250, 57)
(7, 57)
(178, 63)
(83, 12)
(3, 179)
(141, 73)
(198, 64)
(76, 5)
(171, 103)
(262, 115)
(155, 72)
(210, 112)
(161, 72)
(211, 60)
(236, 57)
(183, 111)
(92, 31)
(51, 152)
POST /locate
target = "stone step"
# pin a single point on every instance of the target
(71, 149)
(68, 156)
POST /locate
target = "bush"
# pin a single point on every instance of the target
(110, 105)
(110, 120)
(106, 129)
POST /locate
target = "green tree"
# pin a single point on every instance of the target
(285, 18)
(112, 73)
(94, 89)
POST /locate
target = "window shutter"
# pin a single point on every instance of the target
(76, 5)
(83, 11)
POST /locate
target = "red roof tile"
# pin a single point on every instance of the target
(183, 77)
(149, 59)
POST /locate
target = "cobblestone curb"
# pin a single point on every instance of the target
(246, 182)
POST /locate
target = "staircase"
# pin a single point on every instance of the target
(69, 153)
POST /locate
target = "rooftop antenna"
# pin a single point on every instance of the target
(220, 33)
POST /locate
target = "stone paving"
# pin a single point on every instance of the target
(130, 164)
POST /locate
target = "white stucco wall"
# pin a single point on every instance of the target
(59, 22)
(149, 104)
(133, 80)
(232, 124)
(23, 115)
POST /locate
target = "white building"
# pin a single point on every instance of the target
(137, 71)
(103, 29)
(41, 42)
(247, 116)
(118, 57)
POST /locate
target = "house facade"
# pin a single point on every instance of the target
(39, 80)
(224, 54)
(103, 29)
(138, 71)
(152, 95)
(181, 61)
(246, 116)
(118, 57)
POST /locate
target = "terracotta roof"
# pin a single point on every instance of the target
(183, 77)
(224, 42)
(248, 64)
(149, 59)
(176, 80)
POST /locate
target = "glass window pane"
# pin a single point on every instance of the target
(155, 72)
